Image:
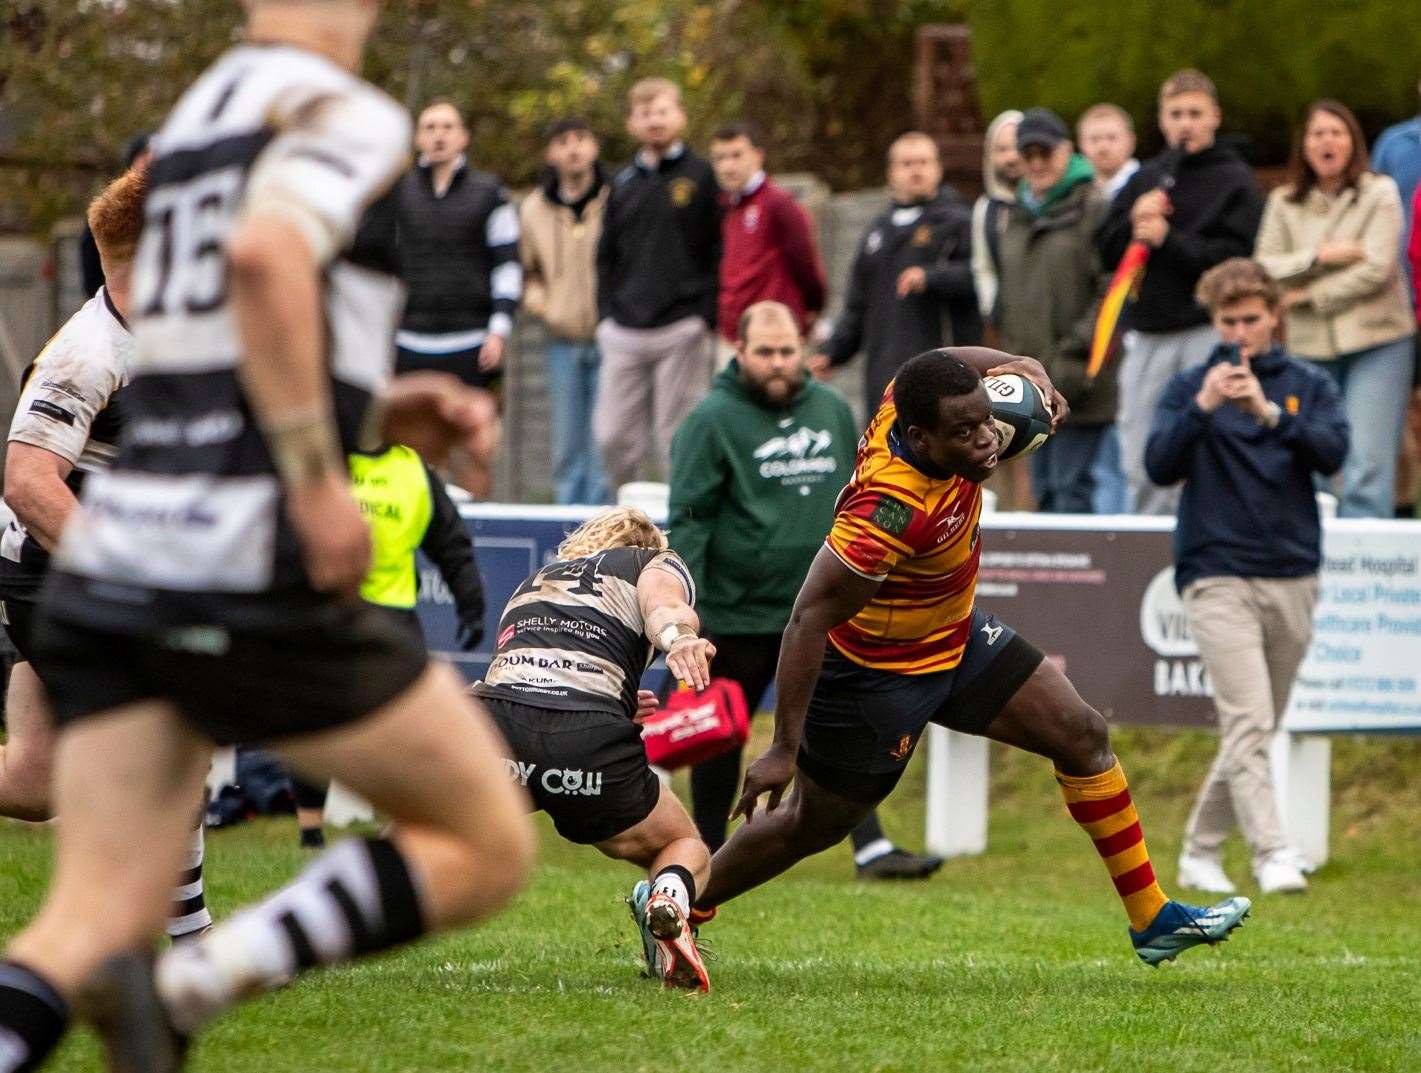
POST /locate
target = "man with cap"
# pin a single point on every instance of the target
(1050, 279)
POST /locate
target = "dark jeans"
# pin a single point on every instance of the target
(748, 659)
(1061, 477)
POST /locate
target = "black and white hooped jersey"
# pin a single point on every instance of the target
(70, 405)
(187, 525)
(572, 636)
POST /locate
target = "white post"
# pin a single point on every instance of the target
(344, 807)
(1302, 778)
(223, 769)
(956, 793)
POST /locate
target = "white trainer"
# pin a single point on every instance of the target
(1204, 873)
(1280, 874)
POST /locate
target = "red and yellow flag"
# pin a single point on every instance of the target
(1124, 287)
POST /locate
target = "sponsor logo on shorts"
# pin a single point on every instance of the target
(573, 782)
(992, 632)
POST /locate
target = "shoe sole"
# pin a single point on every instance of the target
(664, 922)
(120, 1001)
(1154, 962)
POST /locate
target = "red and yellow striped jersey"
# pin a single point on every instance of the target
(917, 533)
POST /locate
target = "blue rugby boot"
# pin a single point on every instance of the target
(641, 894)
(1177, 927)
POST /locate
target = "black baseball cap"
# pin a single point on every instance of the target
(1043, 127)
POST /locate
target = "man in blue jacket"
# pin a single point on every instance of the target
(1246, 433)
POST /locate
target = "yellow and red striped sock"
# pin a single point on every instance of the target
(1101, 804)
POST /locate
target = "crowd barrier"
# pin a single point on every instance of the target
(1096, 593)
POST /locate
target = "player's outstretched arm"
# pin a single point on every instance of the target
(36, 492)
(831, 594)
(673, 626)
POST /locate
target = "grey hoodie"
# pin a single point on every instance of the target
(984, 270)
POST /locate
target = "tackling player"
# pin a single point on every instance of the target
(206, 591)
(572, 645)
(66, 425)
(885, 638)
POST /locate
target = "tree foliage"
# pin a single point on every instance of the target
(828, 80)
(1268, 59)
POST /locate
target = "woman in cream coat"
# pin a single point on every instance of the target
(1331, 237)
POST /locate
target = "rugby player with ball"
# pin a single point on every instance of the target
(886, 637)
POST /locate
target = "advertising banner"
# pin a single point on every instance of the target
(1096, 594)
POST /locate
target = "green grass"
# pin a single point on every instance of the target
(1017, 960)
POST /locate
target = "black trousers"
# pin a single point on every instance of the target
(750, 660)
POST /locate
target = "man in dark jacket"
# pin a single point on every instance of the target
(458, 240)
(1050, 278)
(658, 264)
(911, 288)
(1246, 432)
(755, 472)
(1195, 205)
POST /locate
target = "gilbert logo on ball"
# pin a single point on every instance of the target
(1021, 414)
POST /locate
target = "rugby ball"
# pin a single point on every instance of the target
(1020, 412)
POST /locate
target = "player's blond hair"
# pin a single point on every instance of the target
(116, 215)
(616, 527)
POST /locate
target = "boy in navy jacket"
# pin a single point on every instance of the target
(1246, 432)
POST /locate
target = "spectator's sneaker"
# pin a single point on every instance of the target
(899, 864)
(1279, 873)
(1300, 861)
(122, 1003)
(640, 895)
(676, 944)
(1177, 927)
(1204, 873)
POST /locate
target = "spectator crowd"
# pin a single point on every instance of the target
(639, 278)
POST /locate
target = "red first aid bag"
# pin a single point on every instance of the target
(697, 726)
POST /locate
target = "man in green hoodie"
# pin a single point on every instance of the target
(1050, 280)
(755, 471)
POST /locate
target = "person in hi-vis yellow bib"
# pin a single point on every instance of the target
(409, 510)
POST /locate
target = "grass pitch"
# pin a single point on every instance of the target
(1017, 960)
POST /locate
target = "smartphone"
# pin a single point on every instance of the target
(1233, 353)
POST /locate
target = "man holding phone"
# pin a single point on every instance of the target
(1245, 433)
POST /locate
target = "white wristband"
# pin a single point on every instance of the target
(671, 633)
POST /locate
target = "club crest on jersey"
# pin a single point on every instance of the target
(682, 190)
(902, 749)
(891, 516)
(922, 235)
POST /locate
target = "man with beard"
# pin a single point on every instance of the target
(911, 285)
(755, 470)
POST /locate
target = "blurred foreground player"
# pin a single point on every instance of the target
(206, 589)
(572, 645)
(885, 638)
(66, 424)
